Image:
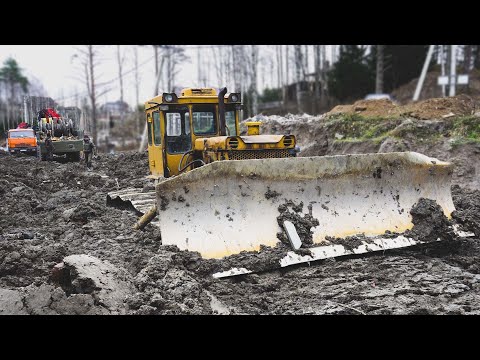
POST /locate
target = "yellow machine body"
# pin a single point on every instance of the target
(225, 193)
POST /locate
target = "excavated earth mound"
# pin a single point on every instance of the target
(435, 108)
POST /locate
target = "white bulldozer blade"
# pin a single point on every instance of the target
(227, 207)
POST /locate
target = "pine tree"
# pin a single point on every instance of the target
(351, 78)
(13, 79)
(402, 63)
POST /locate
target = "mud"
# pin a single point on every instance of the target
(303, 222)
(467, 204)
(349, 242)
(372, 108)
(267, 258)
(271, 194)
(53, 211)
(429, 222)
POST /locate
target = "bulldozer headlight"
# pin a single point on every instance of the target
(234, 97)
(169, 97)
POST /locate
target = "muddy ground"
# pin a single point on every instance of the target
(63, 251)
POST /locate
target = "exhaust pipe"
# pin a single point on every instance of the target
(221, 111)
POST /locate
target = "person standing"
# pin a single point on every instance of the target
(49, 147)
(89, 149)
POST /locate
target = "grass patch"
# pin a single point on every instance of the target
(467, 127)
(355, 126)
(459, 141)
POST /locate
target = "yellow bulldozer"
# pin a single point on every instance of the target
(221, 193)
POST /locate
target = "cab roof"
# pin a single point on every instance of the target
(189, 95)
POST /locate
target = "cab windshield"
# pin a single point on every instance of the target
(21, 134)
(204, 119)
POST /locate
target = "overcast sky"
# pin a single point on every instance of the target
(62, 77)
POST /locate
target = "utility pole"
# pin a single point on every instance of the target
(453, 69)
(418, 89)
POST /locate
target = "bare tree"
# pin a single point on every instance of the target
(137, 86)
(278, 51)
(467, 58)
(36, 87)
(90, 77)
(253, 72)
(316, 57)
(89, 60)
(158, 68)
(287, 74)
(155, 49)
(218, 64)
(174, 55)
(305, 62)
(158, 73)
(199, 68)
(2, 112)
(379, 77)
(120, 61)
(237, 55)
(298, 69)
(287, 64)
(228, 65)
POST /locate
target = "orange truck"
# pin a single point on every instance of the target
(22, 140)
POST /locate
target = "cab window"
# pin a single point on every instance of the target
(157, 136)
(174, 125)
(177, 134)
(230, 121)
(149, 127)
(204, 119)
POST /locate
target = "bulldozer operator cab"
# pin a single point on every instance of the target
(201, 126)
(175, 123)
